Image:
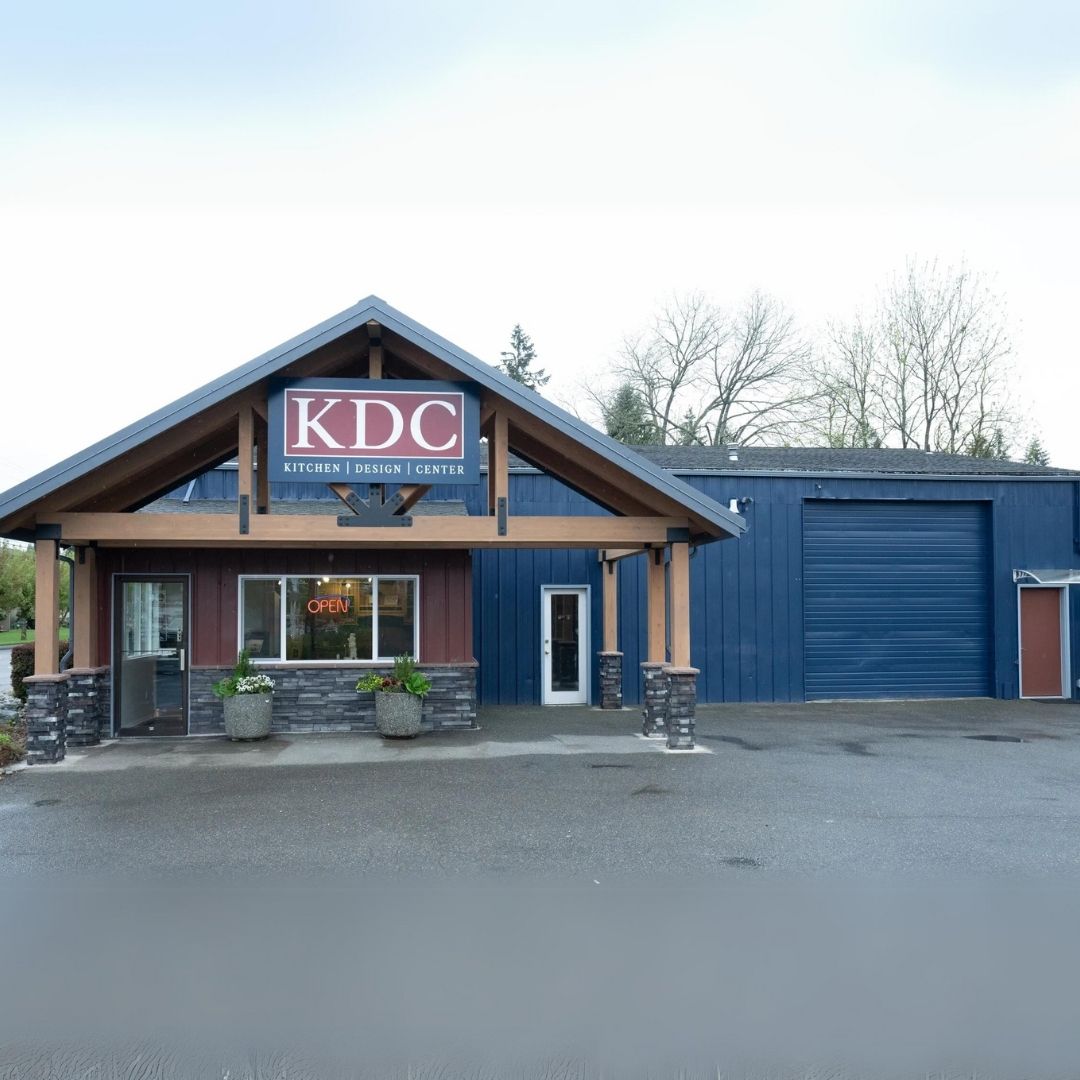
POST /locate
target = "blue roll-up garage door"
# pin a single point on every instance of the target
(896, 599)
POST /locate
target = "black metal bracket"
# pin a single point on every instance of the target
(373, 512)
(500, 510)
(678, 536)
(47, 532)
(245, 515)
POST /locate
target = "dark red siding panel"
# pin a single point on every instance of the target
(445, 591)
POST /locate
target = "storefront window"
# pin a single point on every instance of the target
(261, 598)
(325, 619)
(397, 616)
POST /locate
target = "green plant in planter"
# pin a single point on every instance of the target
(245, 679)
(404, 679)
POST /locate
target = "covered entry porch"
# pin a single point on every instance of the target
(196, 566)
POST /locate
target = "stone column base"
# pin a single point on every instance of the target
(83, 718)
(682, 707)
(654, 698)
(610, 680)
(46, 727)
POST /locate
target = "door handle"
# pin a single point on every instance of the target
(180, 653)
(547, 647)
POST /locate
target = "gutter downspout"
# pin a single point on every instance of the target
(68, 658)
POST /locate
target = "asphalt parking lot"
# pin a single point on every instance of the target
(853, 788)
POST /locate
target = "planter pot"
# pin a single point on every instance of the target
(397, 716)
(247, 716)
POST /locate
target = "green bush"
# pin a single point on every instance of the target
(12, 744)
(22, 667)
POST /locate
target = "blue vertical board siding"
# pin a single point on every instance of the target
(747, 617)
(747, 613)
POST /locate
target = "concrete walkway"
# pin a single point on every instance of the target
(345, 749)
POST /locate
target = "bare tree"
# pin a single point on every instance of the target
(847, 410)
(711, 377)
(931, 372)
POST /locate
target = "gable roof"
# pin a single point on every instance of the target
(707, 459)
(715, 519)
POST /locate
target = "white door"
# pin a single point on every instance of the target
(565, 657)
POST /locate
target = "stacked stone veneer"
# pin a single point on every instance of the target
(654, 695)
(65, 710)
(681, 707)
(87, 714)
(611, 680)
(325, 698)
(669, 703)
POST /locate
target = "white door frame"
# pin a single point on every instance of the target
(565, 697)
(1066, 645)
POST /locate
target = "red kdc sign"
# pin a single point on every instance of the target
(374, 423)
(378, 430)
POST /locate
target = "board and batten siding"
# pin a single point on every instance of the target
(747, 618)
(445, 591)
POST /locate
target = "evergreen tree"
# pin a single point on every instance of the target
(627, 419)
(1036, 454)
(993, 445)
(518, 359)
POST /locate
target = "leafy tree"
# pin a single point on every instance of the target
(626, 418)
(517, 361)
(1036, 454)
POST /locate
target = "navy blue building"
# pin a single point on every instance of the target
(863, 574)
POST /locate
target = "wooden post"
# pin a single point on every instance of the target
(46, 609)
(86, 609)
(498, 462)
(679, 583)
(656, 606)
(375, 353)
(245, 456)
(610, 571)
(262, 466)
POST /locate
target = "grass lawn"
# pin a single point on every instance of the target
(14, 637)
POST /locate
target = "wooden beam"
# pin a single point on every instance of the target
(679, 584)
(245, 454)
(46, 608)
(656, 608)
(375, 351)
(322, 530)
(610, 571)
(86, 609)
(262, 465)
(498, 462)
(411, 494)
(345, 493)
(615, 554)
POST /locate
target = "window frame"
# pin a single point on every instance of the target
(281, 579)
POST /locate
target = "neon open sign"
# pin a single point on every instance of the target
(329, 605)
(374, 430)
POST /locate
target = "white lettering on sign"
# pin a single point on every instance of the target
(418, 416)
(309, 424)
(397, 424)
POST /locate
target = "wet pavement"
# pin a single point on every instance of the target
(892, 788)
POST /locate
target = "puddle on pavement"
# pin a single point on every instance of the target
(995, 738)
(742, 862)
(731, 740)
(652, 789)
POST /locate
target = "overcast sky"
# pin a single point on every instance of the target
(180, 192)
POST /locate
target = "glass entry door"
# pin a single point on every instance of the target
(566, 646)
(150, 649)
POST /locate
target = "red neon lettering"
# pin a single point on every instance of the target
(328, 605)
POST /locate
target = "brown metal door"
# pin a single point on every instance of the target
(1040, 643)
